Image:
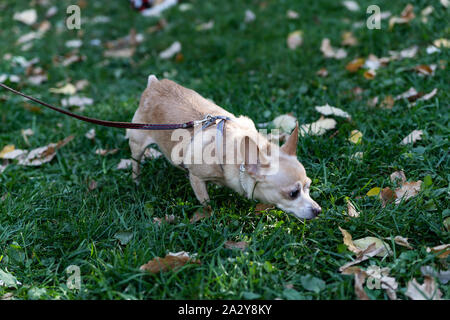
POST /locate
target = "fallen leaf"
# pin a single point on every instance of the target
(318, 127)
(351, 5)
(171, 261)
(119, 53)
(360, 277)
(363, 243)
(387, 196)
(328, 110)
(370, 252)
(241, 245)
(369, 74)
(7, 149)
(443, 250)
(291, 14)
(205, 26)
(330, 52)
(348, 241)
(8, 280)
(398, 175)
(407, 191)
(295, 39)
(249, 16)
(167, 218)
(351, 210)
(441, 43)
(406, 16)
(373, 192)
(401, 241)
(285, 123)
(124, 237)
(92, 185)
(68, 89)
(427, 70)
(381, 275)
(355, 65)
(403, 54)
(124, 164)
(322, 72)
(74, 44)
(106, 152)
(387, 103)
(426, 291)
(27, 17)
(90, 134)
(77, 101)
(442, 275)
(152, 153)
(348, 39)
(171, 51)
(429, 95)
(200, 214)
(261, 207)
(355, 136)
(414, 136)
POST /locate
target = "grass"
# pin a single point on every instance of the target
(49, 219)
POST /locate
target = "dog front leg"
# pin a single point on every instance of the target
(199, 187)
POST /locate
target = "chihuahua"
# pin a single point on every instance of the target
(254, 165)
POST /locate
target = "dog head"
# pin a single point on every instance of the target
(279, 178)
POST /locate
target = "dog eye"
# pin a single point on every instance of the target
(294, 194)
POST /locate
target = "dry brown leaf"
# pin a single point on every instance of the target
(241, 245)
(90, 134)
(318, 127)
(355, 136)
(406, 16)
(369, 74)
(295, 39)
(351, 210)
(370, 252)
(348, 241)
(330, 52)
(355, 65)
(407, 191)
(387, 103)
(171, 51)
(291, 14)
(348, 39)
(68, 89)
(398, 175)
(443, 250)
(27, 17)
(168, 218)
(202, 213)
(381, 275)
(328, 110)
(106, 152)
(414, 136)
(387, 196)
(401, 241)
(322, 72)
(262, 207)
(171, 261)
(92, 185)
(124, 164)
(360, 278)
(426, 291)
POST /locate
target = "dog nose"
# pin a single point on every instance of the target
(317, 211)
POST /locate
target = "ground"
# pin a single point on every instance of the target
(49, 219)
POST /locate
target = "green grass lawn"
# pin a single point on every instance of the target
(49, 219)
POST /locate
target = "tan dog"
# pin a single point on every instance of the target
(274, 176)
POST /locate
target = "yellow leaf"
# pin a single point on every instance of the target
(373, 192)
(355, 136)
(7, 149)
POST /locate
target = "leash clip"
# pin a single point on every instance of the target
(208, 119)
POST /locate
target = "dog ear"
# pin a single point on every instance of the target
(290, 146)
(253, 159)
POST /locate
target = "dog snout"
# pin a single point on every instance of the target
(316, 211)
